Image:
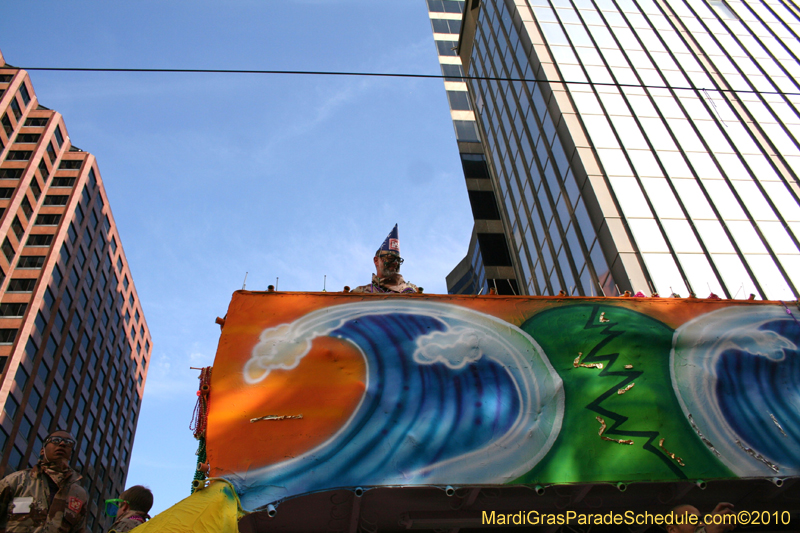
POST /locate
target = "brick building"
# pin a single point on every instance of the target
(74, 344)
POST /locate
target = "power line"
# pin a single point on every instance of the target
(397, 75)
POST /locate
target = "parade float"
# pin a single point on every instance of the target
(363, 412)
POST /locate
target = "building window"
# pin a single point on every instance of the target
(63, 182)
(447, 48)
(453, 72)
(15, 108)
(13, 309)
(504, 286)
(36, 122)
(31, 261)
(19, 231)
(47, 419)
(484, 205)
(70, 164)
(47, 220)
(10, 174)
(18, 155)
(66, 299)
(57, 278)
(21, 378)
(74, 278)
(81, 257)
(474, 166)
(34, 399)
(43, 170)
(11, 406)
(35, 188)
(21, 285)
(459, 100)
(723, 9)
(446, 26)
(26, 97)
(7, 126)
(494, 249)
(466, 131)
(445, 6)
(8, 250)
(15, 458)
(59, 137)
(51, 154)
(28, 138)
(39, 240)
(56, 199)
(7, 335)
(26, 207)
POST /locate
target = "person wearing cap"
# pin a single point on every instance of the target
(387, 278)
(130, 509)
(48, 497)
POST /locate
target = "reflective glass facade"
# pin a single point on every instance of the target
(488, 262)
(652, 147)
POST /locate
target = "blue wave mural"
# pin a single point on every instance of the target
(741, 384)
(450, 394)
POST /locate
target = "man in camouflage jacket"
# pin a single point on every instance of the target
(48, 497)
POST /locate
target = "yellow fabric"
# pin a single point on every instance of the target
(214, 509)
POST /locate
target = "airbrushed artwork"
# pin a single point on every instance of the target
(316, 391)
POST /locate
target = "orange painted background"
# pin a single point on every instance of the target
(328, 384)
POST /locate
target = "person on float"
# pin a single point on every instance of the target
(387, 277)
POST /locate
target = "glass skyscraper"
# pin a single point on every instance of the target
(642, 145)
(488, 262)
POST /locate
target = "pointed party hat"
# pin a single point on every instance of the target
(391, 243)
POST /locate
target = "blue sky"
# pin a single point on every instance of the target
(213, 175)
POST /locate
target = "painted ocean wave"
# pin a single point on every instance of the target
(737, 372)
(453, 396)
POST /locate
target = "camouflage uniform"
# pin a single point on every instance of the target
(128, 521)
(66, 513)
(401, 286)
